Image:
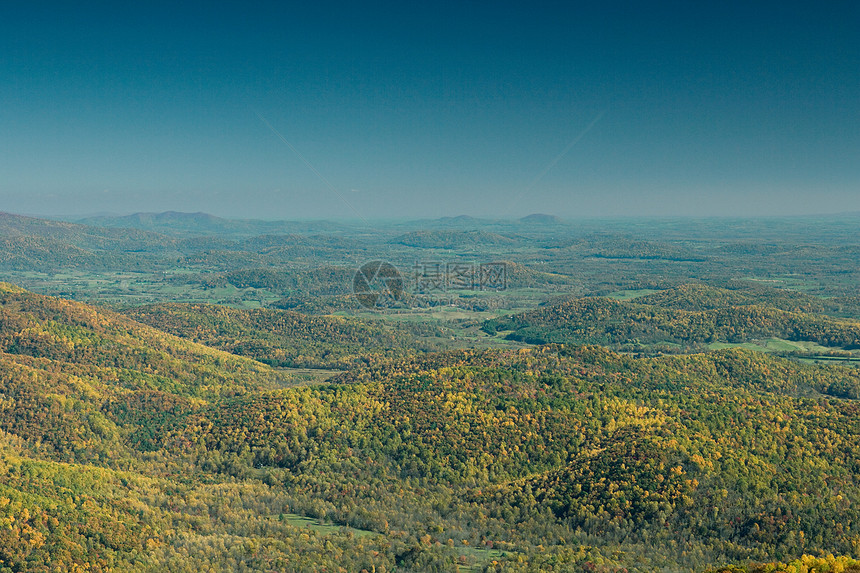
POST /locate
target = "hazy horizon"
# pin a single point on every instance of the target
(406, 111)
(93, 218)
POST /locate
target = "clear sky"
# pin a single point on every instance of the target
(426, 109)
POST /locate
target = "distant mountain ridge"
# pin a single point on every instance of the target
(164, 218)
(16, 225)
(542, 219)
(183, 224)
(29, 243)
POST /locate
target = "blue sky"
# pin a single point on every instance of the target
(417, 109)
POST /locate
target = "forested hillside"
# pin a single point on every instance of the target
(128, 449)
(699, 297)
(278, 337)
(685, 316)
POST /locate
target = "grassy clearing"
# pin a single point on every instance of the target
(303, 522)
(775, 345)
(481, 557)
(439, 314)
(791, 282)
(476, 557)
(631, 294)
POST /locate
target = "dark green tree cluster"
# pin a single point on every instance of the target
(278, 337)
(598, 320)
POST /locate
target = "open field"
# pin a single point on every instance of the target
(324, 528)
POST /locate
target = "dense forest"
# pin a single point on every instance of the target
(278, 337)
(686, 315)
(126, 448)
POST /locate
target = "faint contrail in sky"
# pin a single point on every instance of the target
(558, 158)
(311, 167)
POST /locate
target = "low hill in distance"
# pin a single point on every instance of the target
(542, 219)
(84, 235)
(699, 297)
(28, 243)
(689, 316)
(450, 239)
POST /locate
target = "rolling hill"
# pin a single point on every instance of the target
(28, 243)
(700, 297)
(123, 448)
(277, 337)
(599, 320)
